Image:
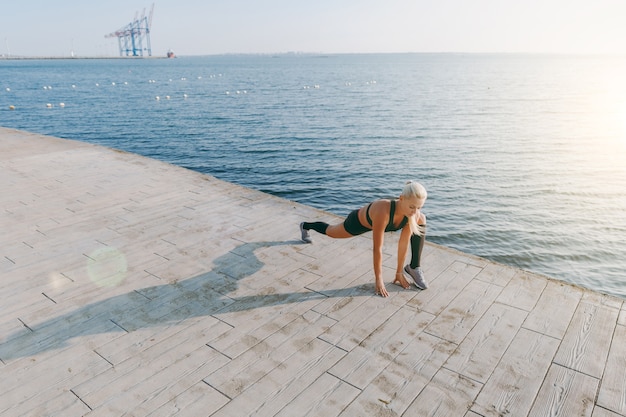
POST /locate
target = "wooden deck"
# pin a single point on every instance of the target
(131, 287)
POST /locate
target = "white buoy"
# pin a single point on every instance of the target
(61, 104)
(11, 107)
(157, 98)
(8, 89)
(185, 95)
(167, 97)
(112, 83)
(49, 105)
(73, 85)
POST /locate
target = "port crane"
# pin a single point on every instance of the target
(132, 36)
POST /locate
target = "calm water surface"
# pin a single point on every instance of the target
(524, 156)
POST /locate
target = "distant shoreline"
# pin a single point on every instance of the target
(21, 58)
(317, 54)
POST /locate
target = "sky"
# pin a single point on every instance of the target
(207, 27)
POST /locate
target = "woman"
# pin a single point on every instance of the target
(382, 216)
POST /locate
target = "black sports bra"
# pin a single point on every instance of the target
(390, 226)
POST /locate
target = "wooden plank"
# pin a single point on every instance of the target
(131, 393)
(514, 384)
(295, 381)
(55, 338)
(353, 329)
(338, 271)
(448, 394)
(188, 381)
(363, 363)
(603, 412)
(554, 310)
(99, 389)
(394, 389)
(480, 352)
(523, 291)
(198, 400)
(343, 301)
(36, 381)
(12, 329)
(248, 368)
(622, 317)
(284, 383)
(602, 299)
(133, 344)
(447, 287)
(460, 316)
(264, 306)
(247, 334)
(565, 393)
(65, 404)
(327, 397)
(498, 274)
(584, 347)
(436, 260)
(613, 388)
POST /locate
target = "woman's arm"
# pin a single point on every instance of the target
(403, 245)
(379, 212)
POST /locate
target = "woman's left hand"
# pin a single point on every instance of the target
(401, 281)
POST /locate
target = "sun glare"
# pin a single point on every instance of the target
(107, 267)
(622, 128)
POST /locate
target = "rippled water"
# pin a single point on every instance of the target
(524, 156)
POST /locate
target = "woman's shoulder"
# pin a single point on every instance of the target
(384, 202)
(381, 206)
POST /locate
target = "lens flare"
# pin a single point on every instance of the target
(58, 280)
(107, 267)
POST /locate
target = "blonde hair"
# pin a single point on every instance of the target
(415, 189)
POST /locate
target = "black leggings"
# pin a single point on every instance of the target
(417, 245)
(319, 227)
(351, 224)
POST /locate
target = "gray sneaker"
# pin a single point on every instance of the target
(418, 276)
(306, 237)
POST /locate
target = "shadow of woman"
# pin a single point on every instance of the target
(203, 295)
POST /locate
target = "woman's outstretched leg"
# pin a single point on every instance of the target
(319, 227)
(335, 231)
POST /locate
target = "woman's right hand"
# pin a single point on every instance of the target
(380, 288)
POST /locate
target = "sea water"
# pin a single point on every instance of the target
(523, 156)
